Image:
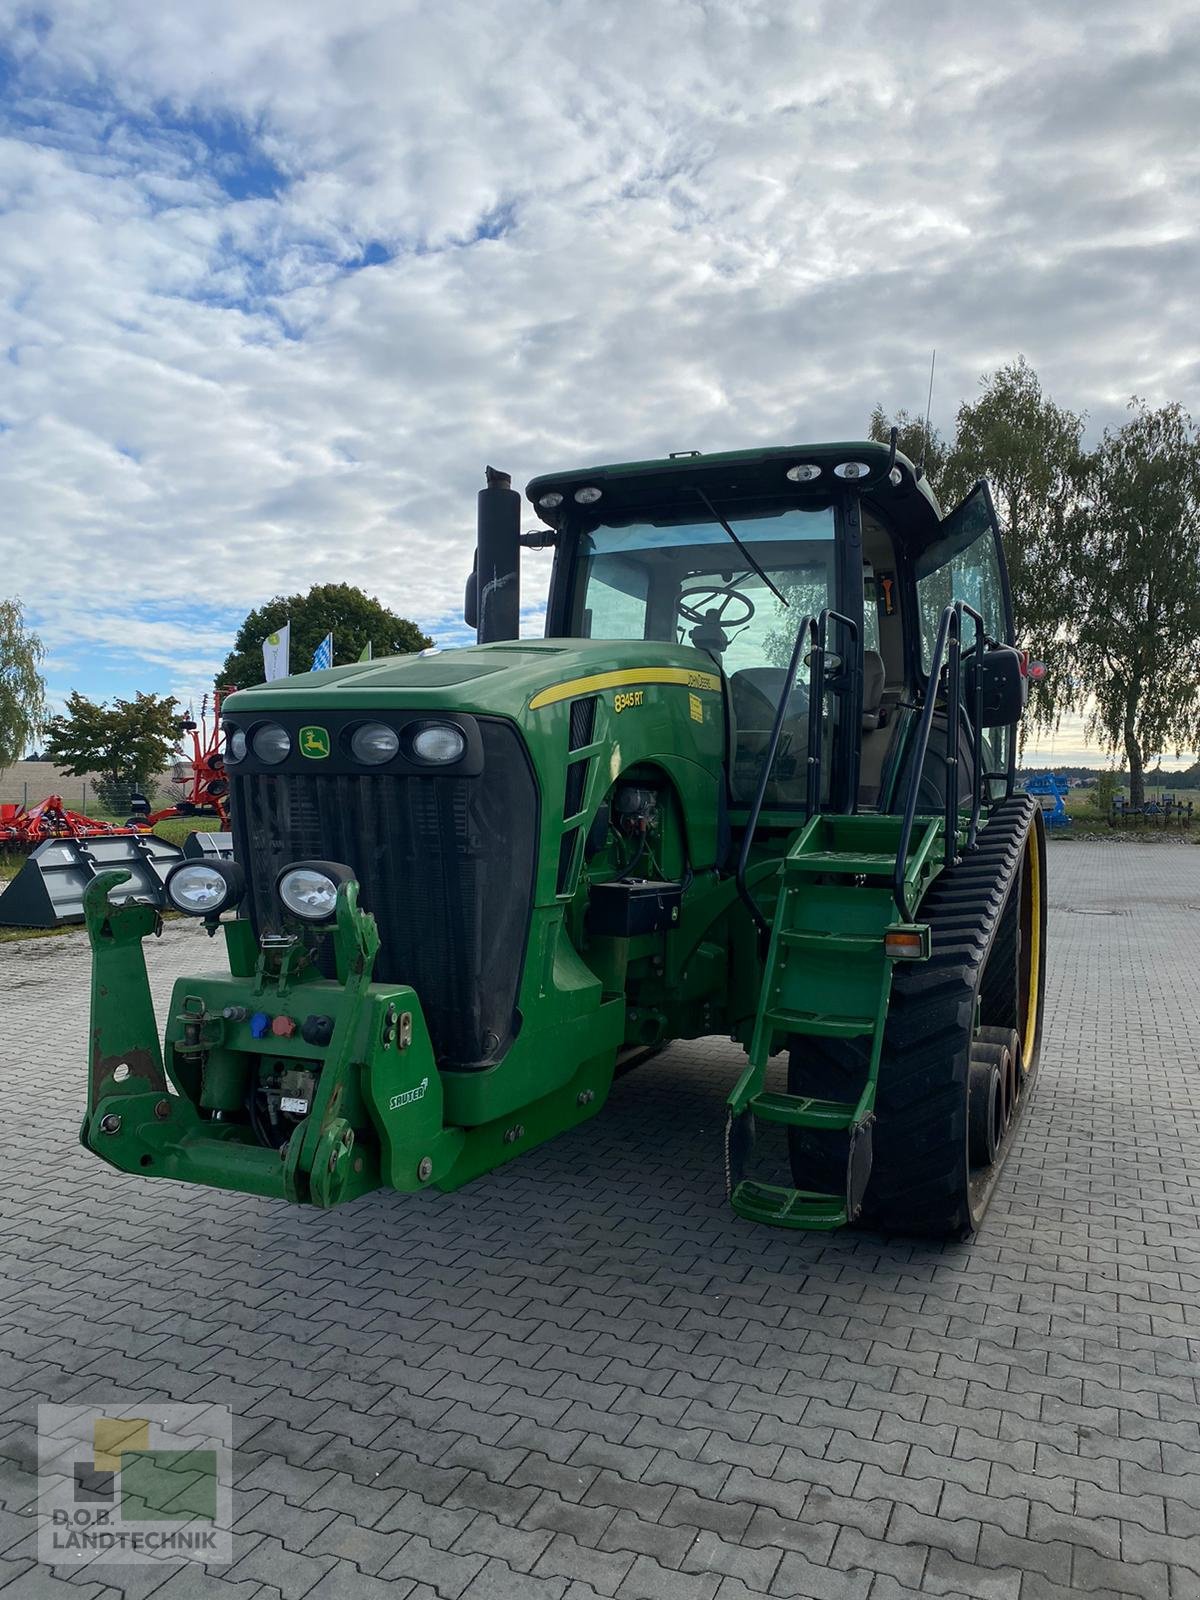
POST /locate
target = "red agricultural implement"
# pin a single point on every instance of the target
(24, 830)
(208, 787)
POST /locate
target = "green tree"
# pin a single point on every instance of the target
(1132, 559)
(126, 744)
(1029, 450)
(354, 617)
(22, 687)
(1107, 785)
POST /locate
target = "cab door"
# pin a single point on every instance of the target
(966, 562)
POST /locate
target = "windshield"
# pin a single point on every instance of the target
(686, 582)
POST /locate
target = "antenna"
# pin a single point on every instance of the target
(928, 409)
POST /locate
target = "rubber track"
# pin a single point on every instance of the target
(919, 1181)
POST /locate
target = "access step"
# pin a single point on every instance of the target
(850, 943)
(819, 1024)
(802, 1111)
(860, 864)
(788, 1208)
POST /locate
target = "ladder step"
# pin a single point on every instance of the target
(820, 1024)
(805, 939)
(788, 1208)
(800, 1111)
(861, 864)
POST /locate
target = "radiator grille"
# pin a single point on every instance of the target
(445, 864)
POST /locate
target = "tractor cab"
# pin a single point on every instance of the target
(739, 555)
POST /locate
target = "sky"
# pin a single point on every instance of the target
(277, 280)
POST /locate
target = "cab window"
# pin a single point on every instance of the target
(686, 582)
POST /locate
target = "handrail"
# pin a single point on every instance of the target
(807, 631)
(815, 726)
(814, 632)
(949, 633)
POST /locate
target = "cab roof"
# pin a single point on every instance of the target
(730, 476)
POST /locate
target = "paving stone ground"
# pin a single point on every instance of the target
(584, 1377)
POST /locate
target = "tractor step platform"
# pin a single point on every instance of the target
(802, 1111)
(788, 1208)
(820, 939)
(866, 865)
(820, 1024)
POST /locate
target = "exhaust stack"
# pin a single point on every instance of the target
(498, 560)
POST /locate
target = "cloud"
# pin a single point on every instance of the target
(276, 281)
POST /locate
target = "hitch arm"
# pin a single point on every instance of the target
(123, 1031)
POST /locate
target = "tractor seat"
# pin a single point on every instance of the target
(873, 676)
(755, 693)
(876, 731)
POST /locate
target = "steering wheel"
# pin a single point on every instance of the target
(715, 603)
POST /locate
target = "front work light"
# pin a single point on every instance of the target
(439, 742)
(205, 888)
(271, 743)
(235, 743)
(374, 743)
(308, 889)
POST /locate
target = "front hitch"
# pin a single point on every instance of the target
(374, 1111)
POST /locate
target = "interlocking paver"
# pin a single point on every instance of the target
(583, 1377)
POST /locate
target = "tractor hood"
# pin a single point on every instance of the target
(505, 679)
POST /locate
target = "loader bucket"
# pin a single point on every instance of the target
(48, 890)
(214, 846)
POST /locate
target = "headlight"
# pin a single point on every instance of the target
(308, 889)
(439, 742)
(235, 743)
(271, 743)
(374, 743)
(205, 888)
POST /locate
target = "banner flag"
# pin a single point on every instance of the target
(276, 653)
(366, 652)
(323, 654)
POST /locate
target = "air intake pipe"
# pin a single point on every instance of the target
(497, 560)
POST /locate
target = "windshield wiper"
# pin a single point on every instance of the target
(717, 515)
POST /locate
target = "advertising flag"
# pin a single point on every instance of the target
(323, 654)
(366, 652)
(276, 653)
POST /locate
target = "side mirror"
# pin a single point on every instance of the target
(1004, 687)
(471, 599)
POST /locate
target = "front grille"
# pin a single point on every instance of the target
(444, 863)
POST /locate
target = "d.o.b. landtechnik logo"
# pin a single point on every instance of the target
(125, 1488)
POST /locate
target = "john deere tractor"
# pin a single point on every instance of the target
(755, 781)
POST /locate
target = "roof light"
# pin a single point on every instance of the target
(806, 472)
(895, 477)
(549, 501)
(588, 496)
(852, 469)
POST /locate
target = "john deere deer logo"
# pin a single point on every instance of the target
(314, 743)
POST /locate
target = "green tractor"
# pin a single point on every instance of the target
(756, 780)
